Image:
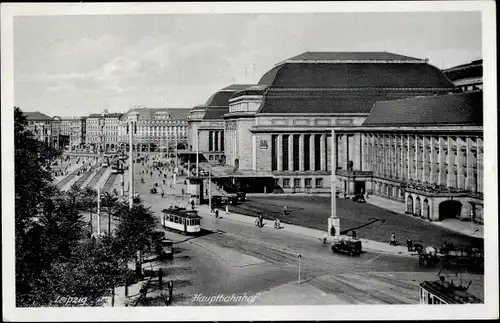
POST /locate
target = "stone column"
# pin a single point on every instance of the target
(409, 160)
(279, 153)
(322, 145)
(468, 169)
(460, 171)
(312, 160)
(451, 174)
(373, 162)
(301, 152)
(345, 144)
(425, 164)
(432, 175)
(290, 154)
(417, 158)
(254, 152)
(220, 140)
(441, 159)
(357, 151)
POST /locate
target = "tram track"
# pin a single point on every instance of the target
(109, 182)
(85, 176)
(93, 182)
(68, 178)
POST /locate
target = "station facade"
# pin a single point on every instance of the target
(277, 134)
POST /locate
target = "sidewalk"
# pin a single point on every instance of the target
(376, 246)
(467, 228)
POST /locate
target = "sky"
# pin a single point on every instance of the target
(77, 65)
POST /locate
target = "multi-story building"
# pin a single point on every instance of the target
(206, 123)
(94, 133)
(72, 132)
(102, 131)
(467, 77)
(278, 134)
(44, 128)
(156, 128)
(111, 125)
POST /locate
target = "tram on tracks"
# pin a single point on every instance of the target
(117, 166)
(181, 220)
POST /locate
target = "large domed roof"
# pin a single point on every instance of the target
(343, 82)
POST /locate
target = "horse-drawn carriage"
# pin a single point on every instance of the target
(453, 255)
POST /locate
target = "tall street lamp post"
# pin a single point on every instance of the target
(131, 130)
(333, 220)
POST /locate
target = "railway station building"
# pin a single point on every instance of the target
(388, 112)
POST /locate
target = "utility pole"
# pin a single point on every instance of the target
(197, 152)
(334, 166)
(131, 129)
(98, 210)
(209, 188)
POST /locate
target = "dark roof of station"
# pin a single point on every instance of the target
(450, 109)
(218, 104)
(351, 56)
(355, 75)
(465, 71)
(36, 116)
(222, 96)
(330, 101)
(347, 82)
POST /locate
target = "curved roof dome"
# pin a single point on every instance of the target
(354, 70)
(218, 104)
(344, 82)
(355, 75)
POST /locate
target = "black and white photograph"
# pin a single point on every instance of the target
(249, 161)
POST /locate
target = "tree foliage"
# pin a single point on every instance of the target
(54, 255)
(135, 228)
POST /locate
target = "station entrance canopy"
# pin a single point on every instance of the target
(223, 171)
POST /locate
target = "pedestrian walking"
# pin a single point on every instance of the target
(163, 182)
(285, 210)
(216, 214)
(354, 234)
(192, 204)
(182, 191)
(227, 209)
(162, 193)
(409, 244)
(393, 239)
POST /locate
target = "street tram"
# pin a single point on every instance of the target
(116, 166)
(440, 292)
(181, 220)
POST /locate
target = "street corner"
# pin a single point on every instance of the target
(299, 294)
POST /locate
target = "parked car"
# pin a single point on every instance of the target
(351, 247)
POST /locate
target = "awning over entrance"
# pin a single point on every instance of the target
(228, 171)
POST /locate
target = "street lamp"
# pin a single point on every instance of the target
(51, 131)
(131, 130)
(333, 220)
(101, 132)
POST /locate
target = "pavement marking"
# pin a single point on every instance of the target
(373, 258)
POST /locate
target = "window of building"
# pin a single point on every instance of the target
(308, 182)
(319, 182)
(210, 157)
(274, 158)
(296, 182)
(286, 182)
